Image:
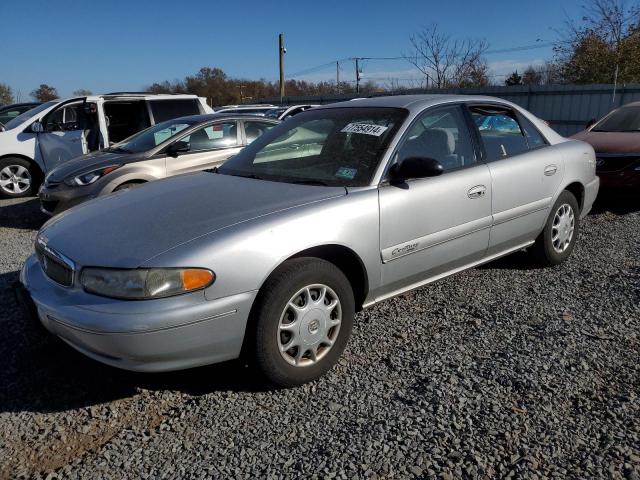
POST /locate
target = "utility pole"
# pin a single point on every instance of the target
(357, 75)
(337, 77)
(282, 51)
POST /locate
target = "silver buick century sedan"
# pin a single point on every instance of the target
(330, 212)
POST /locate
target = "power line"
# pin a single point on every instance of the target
(533, 46)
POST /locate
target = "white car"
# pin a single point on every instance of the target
(54, 132)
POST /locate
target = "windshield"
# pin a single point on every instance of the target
(23, 117)
(336, 146)
(625, 119)
(152, 136)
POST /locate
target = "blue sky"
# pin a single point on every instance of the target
(124, 45)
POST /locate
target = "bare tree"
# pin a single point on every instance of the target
(81, 92)
(6, 94)
(443, 60)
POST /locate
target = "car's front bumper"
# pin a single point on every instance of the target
(153, 335)
(590, 194)
(58, 198)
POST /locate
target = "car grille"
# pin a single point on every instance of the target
(49, 205)
(54, 268)
(615, 163)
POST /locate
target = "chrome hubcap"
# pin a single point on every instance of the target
(15, 179)
(562, 228)
(309, 325)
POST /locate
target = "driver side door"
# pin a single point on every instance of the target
(431, 226)
(63, 135)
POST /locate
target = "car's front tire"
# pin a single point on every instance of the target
(556, 242)
(18, 178)
(303, 318)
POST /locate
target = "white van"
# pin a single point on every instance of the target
(54, 132)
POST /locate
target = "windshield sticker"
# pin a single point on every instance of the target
(365, 129)
(346, 173)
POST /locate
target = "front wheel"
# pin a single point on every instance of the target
(17, 178)
(303, 318)
(556, 242)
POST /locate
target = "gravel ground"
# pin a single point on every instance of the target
(501, 371)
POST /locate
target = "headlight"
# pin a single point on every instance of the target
(145, 283)
(88, 178)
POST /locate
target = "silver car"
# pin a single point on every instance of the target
(332, 211)
(180, 145)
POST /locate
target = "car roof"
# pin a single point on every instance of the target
(206, 117)
(411, 102)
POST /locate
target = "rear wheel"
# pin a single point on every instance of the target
(303, 318)
(17, 178)
(556, 242)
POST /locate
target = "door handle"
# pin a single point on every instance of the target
(550, 170)
(477, 192)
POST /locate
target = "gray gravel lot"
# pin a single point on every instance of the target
(501, 371)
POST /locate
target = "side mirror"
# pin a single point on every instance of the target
(590, 123)
(415, 167)
(37, 127)
(177, 148)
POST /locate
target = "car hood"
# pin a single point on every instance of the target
(90, 161)
(611, 142)
(126, 228)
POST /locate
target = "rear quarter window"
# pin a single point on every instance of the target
(167, 109)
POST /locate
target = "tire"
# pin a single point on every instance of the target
(127, 186)
(549, 250)
(18, 178)
(315, 321)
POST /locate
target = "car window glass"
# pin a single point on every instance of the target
(534, 137)
(151, 137)
(625, 119)
(64, 119)
(440, 134)
(338, 146)
(28, 114)
(219, 135)
(253, 130)
(167, 109)
(500, 132)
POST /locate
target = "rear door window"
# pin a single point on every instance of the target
(535, 139)
(500, 131)
(167, 109)
(218, 135)
(253, 130)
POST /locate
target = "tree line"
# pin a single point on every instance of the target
(603, 46)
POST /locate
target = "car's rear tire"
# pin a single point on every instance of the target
(18, 178)
(558, 238)
(308, 306)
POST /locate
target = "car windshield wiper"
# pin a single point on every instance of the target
(246, 175)
(310, 182)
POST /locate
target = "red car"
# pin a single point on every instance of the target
(616, 140)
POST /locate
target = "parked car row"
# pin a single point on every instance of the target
(39, 139)
(271, 254)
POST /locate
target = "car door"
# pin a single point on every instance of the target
(525, 174)
(63, 136)
(209, 146)
(432, 225)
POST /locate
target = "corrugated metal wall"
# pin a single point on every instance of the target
(567, 108)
